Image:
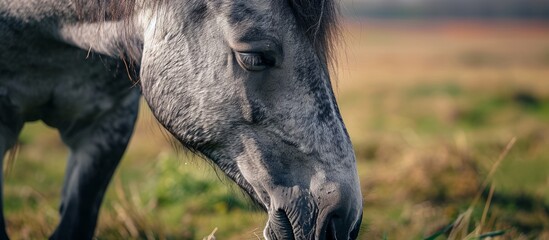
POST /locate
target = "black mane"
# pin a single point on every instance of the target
(318, 18)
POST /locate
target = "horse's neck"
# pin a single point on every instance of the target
(58, 19)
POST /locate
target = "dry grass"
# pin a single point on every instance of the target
(429, 106)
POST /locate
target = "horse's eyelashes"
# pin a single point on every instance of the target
(254, 61)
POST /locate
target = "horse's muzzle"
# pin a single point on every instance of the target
(306, 217)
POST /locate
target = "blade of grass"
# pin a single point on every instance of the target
(10, 159)
(492, 234)
(211, 236)
(486, 208)
(489, 235)
(440, 232)
(493, 170)
(460, 229)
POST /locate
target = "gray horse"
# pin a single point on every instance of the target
(244, 83)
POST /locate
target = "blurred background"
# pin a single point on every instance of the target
(447, 105)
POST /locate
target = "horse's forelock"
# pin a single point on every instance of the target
(318, 18)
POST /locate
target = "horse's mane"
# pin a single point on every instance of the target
(318, 18)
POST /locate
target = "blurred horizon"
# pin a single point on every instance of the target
(423, 9)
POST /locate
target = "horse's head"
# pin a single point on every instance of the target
(246, 84)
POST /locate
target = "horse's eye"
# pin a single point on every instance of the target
(252, 61)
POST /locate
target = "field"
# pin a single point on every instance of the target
(448, 119)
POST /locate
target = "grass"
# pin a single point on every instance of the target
(430, 107)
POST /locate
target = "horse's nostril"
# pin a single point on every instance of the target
(336, 227)
(356, 228)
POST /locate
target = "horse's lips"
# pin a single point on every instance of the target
(283, 224)
(277, 229)
(277, 234)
